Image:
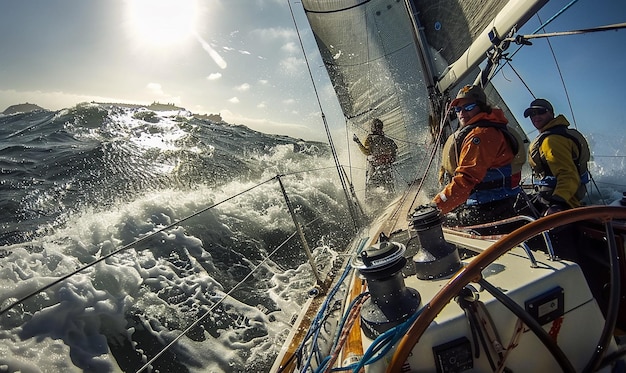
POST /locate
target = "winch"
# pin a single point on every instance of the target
(390, 302)
(435, 257)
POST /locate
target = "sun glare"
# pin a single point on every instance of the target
(161, 22)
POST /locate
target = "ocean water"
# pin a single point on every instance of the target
(190, 232)
(221, 257)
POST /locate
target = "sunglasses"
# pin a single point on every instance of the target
(468, 107)
(534, 112)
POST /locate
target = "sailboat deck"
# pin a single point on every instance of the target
(556, 288)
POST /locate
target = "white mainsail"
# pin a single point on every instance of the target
(399, 60)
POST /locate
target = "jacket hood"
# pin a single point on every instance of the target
(496, 116)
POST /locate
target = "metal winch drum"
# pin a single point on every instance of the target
(435, 257)
(391, 302)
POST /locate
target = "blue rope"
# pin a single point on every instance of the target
(385, 342)
(317, 322)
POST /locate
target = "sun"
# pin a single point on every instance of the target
(161, 22)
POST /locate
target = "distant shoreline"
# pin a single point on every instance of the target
(22, 108)
(155, 106)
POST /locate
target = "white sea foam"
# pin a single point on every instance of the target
(169, 281)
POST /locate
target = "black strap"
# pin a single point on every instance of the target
(561, 130)
(493, 184)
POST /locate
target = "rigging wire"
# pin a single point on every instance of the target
(522, 40)
(560, 72)
(356, 218)
(520, 78)
(567, 6)
(349, 153)
(433, 152)
(134, 243)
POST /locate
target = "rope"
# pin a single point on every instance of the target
(318, 322)
(539, 28)
(346, 327)
(556, 15)
(558, 69)
(615, 26)
(519, 329)
(433, 153)
(385, 342)
(508, 62)
(523, 40)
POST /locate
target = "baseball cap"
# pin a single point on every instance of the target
(473, 92)
(539, 103)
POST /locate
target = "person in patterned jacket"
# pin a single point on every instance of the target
(381, 155)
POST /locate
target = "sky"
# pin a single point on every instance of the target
(243, 60)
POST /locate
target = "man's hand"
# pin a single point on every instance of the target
(355, 138)
(553, 209)
(552, 204)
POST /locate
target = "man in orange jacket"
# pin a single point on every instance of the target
(478, 159)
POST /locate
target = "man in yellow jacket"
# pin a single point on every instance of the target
(381, 155)
(558, 157)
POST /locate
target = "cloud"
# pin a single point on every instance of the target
(233, 100)
(274, 33)
(243, 88)
(289, 101)
(292, 65)
(261, 105)
(295, 130)
(263, 81)
(214, 76)
(155, 88)
(155, 91)
(290, 47)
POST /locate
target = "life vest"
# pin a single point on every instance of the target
(541, 168)
(382, 150)
(452, 148)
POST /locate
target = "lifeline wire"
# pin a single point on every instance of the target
(193, 324)
(63, 278)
